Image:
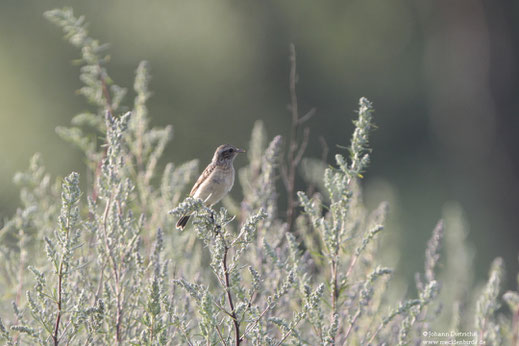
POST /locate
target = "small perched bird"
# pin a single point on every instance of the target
(216, 180)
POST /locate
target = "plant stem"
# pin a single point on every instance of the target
(251, 326)
(335, 288)
(293, 132)
(229, 296)
(515, 328)
(353, 321)
(294, 154)
(60, 280)
(58, 316)
(115, 273)
(108, 106)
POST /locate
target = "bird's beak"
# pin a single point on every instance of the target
(240, 150)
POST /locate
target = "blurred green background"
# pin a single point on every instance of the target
(442, 75)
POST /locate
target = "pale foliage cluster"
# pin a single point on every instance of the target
(105, 265)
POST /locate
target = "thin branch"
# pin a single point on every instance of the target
(284, 175)
(292, 145)
(287, 334)
(292, 85)
(296, 146)
(515, 328)
(335, 287)
(100, 284)
(106, 93)
(307, 116)
(55, 337)
(108, 106)
(221, 336)
(21, 267)
(58, 316)
(379, 328)
(302, 147)
(324, 159)
(352, 264)
(325, 149)
(115, 273)
(229, 295)
(223, 309)
(251, 326)
(353, 321)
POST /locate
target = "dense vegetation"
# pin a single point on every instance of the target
(107, 265)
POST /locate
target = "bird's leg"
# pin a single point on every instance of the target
(217, 227)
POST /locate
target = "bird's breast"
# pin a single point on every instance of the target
(216, 186)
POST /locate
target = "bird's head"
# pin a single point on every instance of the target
(226, 153)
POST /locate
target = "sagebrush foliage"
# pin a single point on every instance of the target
(107, 266)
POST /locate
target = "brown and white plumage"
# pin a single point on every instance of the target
(216, 180)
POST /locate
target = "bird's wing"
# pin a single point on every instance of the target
(205, 174)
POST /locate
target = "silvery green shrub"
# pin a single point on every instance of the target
(106, 265)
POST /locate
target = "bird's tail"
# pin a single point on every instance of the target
(182, 222)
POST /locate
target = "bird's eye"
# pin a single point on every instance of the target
(231, 150)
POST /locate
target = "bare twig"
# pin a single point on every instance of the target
(325, 149)
(515, 328)
(307, 116)
(352, 264)
(235, 321)
(335, 287)
(21, 267)
(119, 314)
(287, 334)
(222, 309)
(294, 155)
(55, 337)
(251, 326)
(106, 93)
(109, 110)
(324, 159)
(220, 336)
(302, 147)
(353, 321)
(100, 284)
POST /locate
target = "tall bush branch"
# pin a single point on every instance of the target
(296, 147)
(235, 321)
